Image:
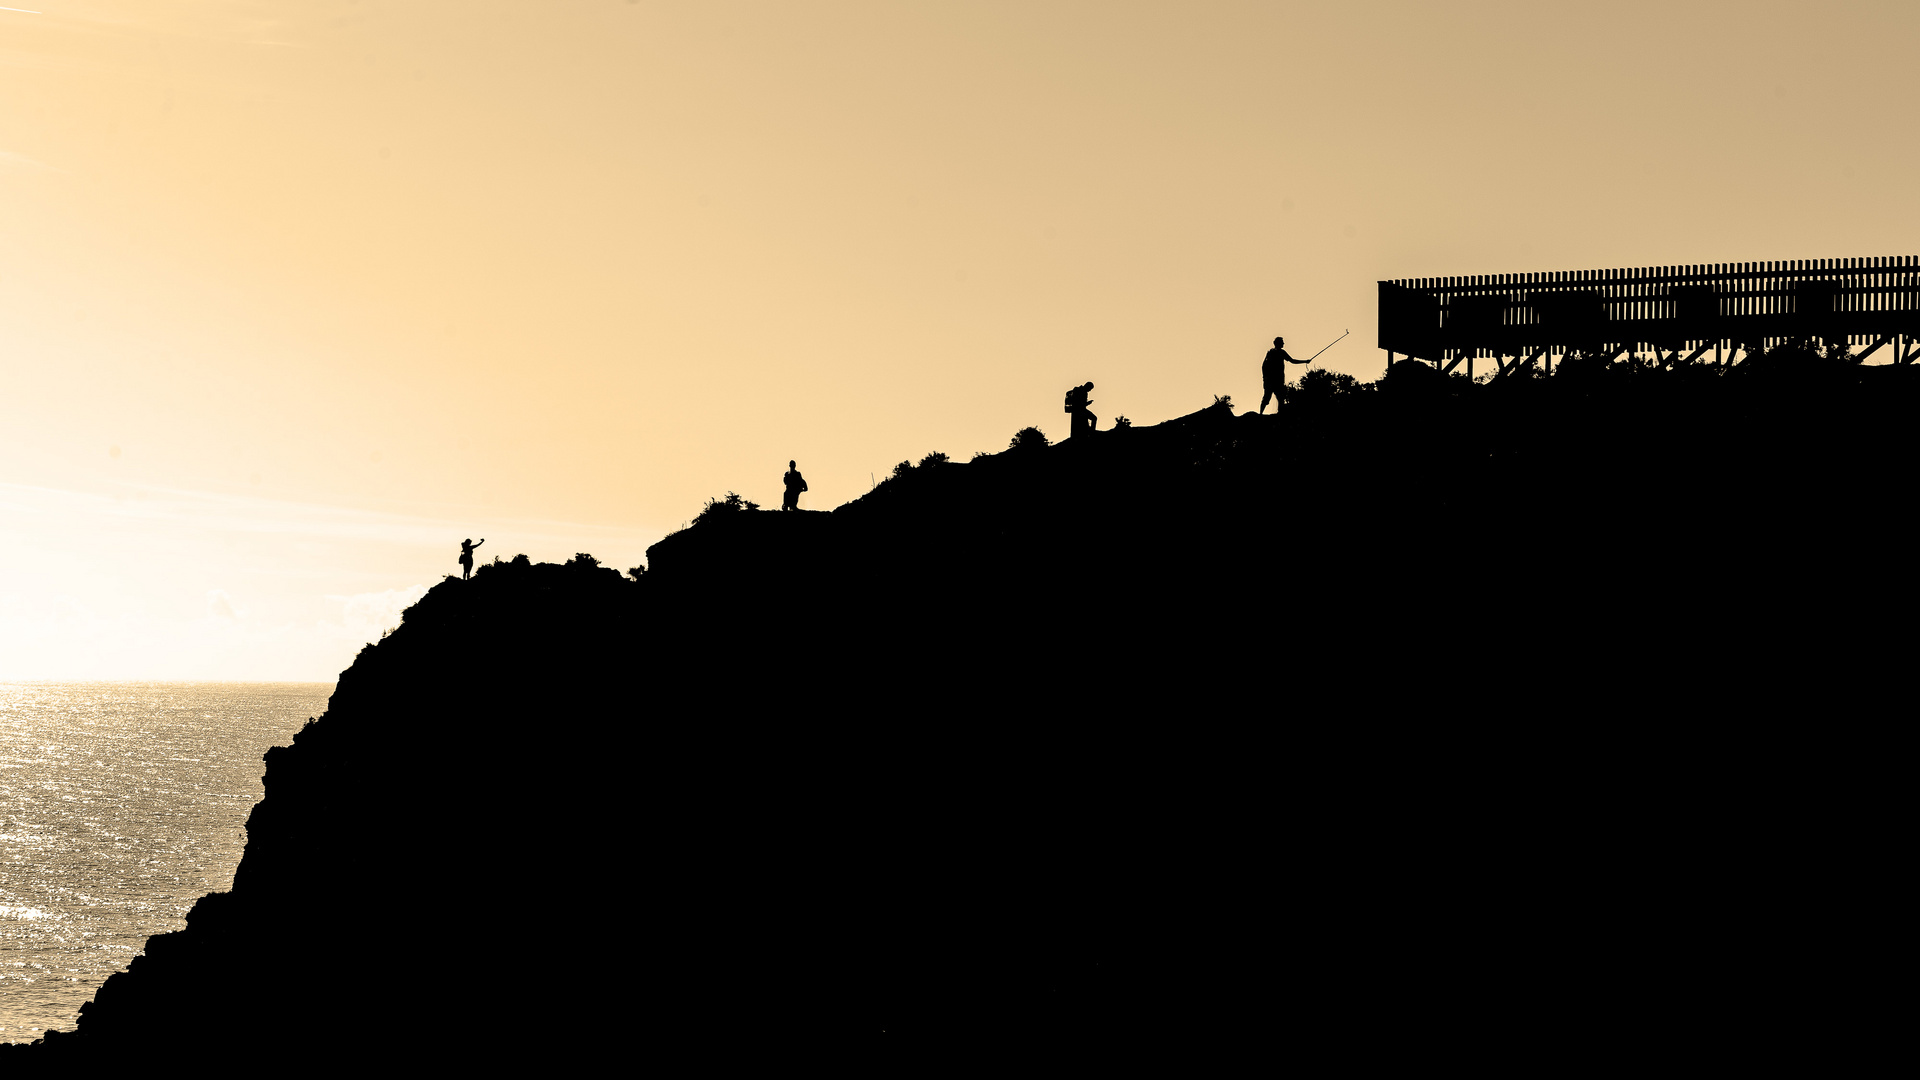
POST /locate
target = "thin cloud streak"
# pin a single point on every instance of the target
(149, 582)
(219, 512)
(10, 158)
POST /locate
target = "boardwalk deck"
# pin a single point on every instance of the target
(1678, 314)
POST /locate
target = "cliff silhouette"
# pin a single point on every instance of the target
(1110, 743)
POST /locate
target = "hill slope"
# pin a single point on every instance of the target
(1031, 750)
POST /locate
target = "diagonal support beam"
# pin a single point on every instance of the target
(1697, 354)
(1518, 363)
(1873, 348)
(1454, 363)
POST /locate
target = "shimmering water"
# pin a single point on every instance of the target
(120, 805)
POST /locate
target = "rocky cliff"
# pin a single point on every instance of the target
(1073, 745)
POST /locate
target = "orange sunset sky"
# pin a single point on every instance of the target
(294, 296)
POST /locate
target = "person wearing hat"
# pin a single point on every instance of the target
(1273, 373)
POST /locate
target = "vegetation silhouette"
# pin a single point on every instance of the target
(1320, 383)
(1001, 823)
(1028, 439)
(731, 504)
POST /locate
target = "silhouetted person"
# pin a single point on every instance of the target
(1077, 402)
(466, 557)
(795, 485)
(1273, 374)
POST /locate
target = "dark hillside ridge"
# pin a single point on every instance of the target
(1584, 460)
(1134, 740)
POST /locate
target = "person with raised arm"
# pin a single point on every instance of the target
(1273, 374)
(466, 557)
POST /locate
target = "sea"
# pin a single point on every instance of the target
(120, 805)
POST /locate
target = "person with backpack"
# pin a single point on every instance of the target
(1077, 402)
(795, 485)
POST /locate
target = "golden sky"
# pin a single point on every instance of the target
(294, 296)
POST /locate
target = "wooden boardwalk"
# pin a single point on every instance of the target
(1677, 314)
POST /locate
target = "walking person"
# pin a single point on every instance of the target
(795, 485)
(466, 557)
(1273, 374)
(1077, 403)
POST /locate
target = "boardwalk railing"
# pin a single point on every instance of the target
(1677, 314)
